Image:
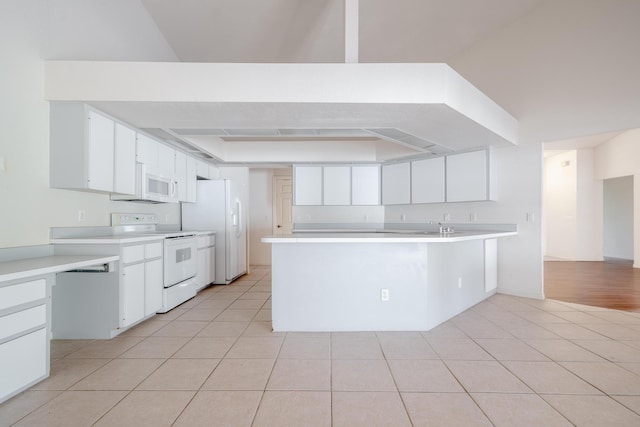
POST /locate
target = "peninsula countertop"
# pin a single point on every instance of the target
(387, 236)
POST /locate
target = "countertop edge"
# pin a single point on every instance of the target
(29, 267)
(383, 237)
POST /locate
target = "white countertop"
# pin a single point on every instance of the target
(387, 237)
(109, 239)
(23, 268)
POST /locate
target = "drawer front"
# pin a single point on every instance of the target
(22, 293)
(24, 360)
(132, 254)
(206, 241)
(22, 320)
(203, 241)
(153, 250)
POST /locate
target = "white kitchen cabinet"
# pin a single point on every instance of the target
(206, 265)
(152, 286)
(468, 177)
(124, 179)
(202, 169)
(307, 185)
(186, 177)
(100, 152)
(142, 282)
(147, 150)
(336, 184)
(133, 287)
(214, 172)
(365, 185)
(167, 160)
(396, 184)
(81, 148)
(24, 335)
(192, 180)
(427, 181)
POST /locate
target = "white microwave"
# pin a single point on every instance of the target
(152, 186)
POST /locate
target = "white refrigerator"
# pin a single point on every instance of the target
(219, 208)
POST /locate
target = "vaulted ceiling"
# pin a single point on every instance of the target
(313, 30)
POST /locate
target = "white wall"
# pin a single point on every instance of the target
(572, 207)
(560, 202)
(566, 69)
(619, 157)
(588, 208)
(31, 30)
(618, 218)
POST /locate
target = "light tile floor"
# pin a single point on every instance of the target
(215, 361)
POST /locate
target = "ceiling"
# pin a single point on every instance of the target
(313, 30)
(304, 31)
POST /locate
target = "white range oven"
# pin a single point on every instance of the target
(179, 256)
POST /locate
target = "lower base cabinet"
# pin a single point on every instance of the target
(25, 361)
(24, 335)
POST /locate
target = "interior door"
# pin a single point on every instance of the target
(282, 200)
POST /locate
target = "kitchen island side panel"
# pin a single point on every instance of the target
(337, 286)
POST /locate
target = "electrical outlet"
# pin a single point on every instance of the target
(403, 217)
(81, 215)
(473, 217)
(459, 282)
(384, 294)
(446, 217)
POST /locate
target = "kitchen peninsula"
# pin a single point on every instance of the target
(390, 280)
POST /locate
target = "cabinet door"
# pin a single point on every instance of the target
(152, 286)
(167, 159)
(100, 152)
(307, 181)
(214, 172)
(202, 268)
(132, 294)
(396, 184)
(147, 150)
(211, 255)
(24, 361)
(336, 185)
(181, 175)
(427, 181)
(191, 180)
(202, 169)
(125, 160)
(365, 185)
(467, 176)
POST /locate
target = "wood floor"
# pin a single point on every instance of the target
(602, 284)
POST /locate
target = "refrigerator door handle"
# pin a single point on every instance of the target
(239, 229)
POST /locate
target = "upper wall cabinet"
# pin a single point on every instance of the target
(336, 182)
(124, 179)
(469, 177)
(88, 151)
(153, 153)
(396, 184)
(427, 181)
(307, 185)
(365, 185)
(186, 177)
(341, 185)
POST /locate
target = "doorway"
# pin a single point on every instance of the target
(618, 219)
(282, 205)
(588, 221)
